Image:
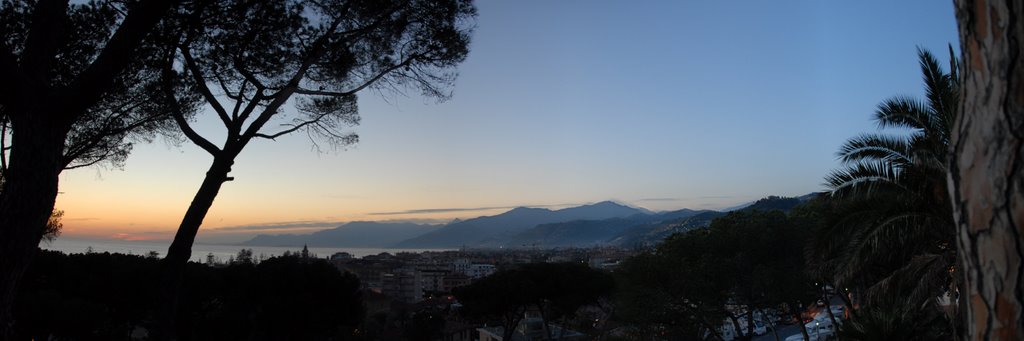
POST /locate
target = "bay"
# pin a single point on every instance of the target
(221, 252)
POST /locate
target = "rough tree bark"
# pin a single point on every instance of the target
(986, 175)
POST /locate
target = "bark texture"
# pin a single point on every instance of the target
(986, 177)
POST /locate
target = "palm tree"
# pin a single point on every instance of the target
(891, 229)
(895, 322)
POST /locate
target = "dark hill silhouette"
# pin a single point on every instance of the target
(354, 234)
(784, 204)
(492, 230)
(603, 223)
(774, 202)
(654, 233)
(650, 234)
(591, 232)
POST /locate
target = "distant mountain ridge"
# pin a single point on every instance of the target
(592, 232)
(354, 234)
(493, 230)
(603, 223)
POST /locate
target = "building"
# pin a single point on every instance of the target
(460, 266)
(432, 280)
(402, 284)
(478, 271)
(341, 256)
(453, 281)
(370, 273)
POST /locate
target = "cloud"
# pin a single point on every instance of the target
(79, 219)
(137, 236)
(461, 209)
(281, 226)
(717, 197)
(707, 197)
(345, 196)
(660, 199)
(443, 210)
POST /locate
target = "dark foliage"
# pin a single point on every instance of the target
(888, 229)
(76, 88)
(102, 296)
(556, 291)
(249, 60)
(892, 322)
(773, 203)
(750, 260)
(127, 112)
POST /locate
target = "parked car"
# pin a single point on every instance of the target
(839, 311)
(728, 330)
(760, 328)
(819, 329)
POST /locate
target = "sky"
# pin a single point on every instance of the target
(655, 104)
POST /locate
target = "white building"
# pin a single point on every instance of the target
(478, 271)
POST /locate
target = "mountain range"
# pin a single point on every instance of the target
(354, 234)
(603, 223)
(494, 230)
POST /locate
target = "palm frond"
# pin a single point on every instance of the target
(924, 278)
(936, 82)
(873, 238)
(942, 90)
(865, 179)
(903, 112)
(876, 147)
(929, 153)
(954, 66)
(880, 243)
(893, 320)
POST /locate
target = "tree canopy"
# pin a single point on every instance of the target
(101, 296)
(745, 262)
(555, 290)
(52, 67)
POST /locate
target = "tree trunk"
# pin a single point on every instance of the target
(173, 265)
(800, 324)
(736, 326)
(770, 323)
(832, 317)
(850, 309)
(750, 325)
(713, 330)
(510, 328)
(26, 202)
(986, 175)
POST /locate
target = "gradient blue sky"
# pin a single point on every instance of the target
(658, 104)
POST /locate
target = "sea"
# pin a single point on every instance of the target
(221, 252)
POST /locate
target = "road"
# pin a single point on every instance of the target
(788, 330)
(784, 332)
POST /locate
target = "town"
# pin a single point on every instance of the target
(511, 170)
(412, 277)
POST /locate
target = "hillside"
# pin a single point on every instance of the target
(499, 229)
(590, 232)
(354, 234)
(603, 223)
